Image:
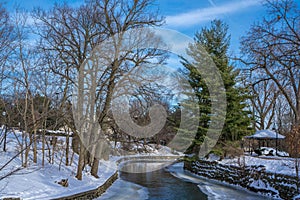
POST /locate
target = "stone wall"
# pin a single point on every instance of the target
(253, 178)
(92, 194)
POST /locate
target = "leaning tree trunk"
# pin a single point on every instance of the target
(103, 117)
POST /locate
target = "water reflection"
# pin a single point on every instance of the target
(143, 166)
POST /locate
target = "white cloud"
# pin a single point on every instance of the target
(207, 14)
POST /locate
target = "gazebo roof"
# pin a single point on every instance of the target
(265, 134)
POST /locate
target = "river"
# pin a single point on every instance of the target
(171, 182)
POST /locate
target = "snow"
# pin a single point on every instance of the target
(36, 182)
(297, 197)
(279, 165)
(271, 151)
(41, 183)
(213, 157)
(57, 132)
(266, 134)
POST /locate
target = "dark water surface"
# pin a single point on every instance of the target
(161, 184)
(170, 183)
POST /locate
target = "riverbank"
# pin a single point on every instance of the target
(37, 182)
(88, 188)
(42, 182)
(271, 179)
(94, 193)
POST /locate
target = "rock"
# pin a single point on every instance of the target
(213, 157)
(63, 182)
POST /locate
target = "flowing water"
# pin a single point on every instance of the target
(171, 182)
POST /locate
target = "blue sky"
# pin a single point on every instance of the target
(189, 16)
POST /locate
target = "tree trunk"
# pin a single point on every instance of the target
(297, 114)
(95, 166)
(27, 149)
(103, 117)
(34, 131)
(75, 143)
(34, 147)
(54, 141)
(43, 146)
(80, 162)
(5, 135)
(67, 149)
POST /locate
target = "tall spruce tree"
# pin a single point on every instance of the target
(215, 40)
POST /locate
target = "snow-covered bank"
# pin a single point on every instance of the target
(273, 164)
(37, 182)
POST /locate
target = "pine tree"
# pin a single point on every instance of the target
(215, 40)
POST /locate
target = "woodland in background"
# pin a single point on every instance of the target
(42, 52)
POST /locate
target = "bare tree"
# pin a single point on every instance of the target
(25, 65)
(6, 37)
(123, 61)
(6, 40)
(67, 37)
(263, 101)
(70, 34)
(273, 46)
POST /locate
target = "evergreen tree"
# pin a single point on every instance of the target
(215, 40)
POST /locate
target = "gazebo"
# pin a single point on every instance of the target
(265, 136)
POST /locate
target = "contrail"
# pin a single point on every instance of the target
(212, 3)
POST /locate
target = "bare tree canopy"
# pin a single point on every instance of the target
(69, 35)
(264, 97)
(272, 48)
(6, 36)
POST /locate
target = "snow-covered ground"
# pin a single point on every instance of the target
(274, 164)
(37, 182)
(41, 183)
